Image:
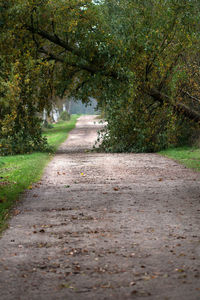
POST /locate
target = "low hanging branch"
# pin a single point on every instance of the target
(57, 41)
(91, 68)
(84, 64)
(185, 110)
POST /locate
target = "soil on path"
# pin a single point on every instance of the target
(104, 226)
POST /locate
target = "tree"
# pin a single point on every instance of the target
(25, 85)
(157, 39)
(137, 58)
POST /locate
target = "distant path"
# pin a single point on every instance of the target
(104, 226)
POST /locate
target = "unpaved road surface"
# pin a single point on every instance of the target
(104, 226)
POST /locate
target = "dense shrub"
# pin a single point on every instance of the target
(132, 128)
(65, 116)
(18, 138)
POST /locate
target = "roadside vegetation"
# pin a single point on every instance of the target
(19, 172)
(188, 156)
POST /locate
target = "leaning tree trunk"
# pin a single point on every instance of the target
(180, 108)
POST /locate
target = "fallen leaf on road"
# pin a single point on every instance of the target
(66, 285)
(140, 293)
(179, 270)
(116, 189)
(16, 212)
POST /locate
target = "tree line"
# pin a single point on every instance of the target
(139, 59)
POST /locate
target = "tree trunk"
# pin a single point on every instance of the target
(180, 108)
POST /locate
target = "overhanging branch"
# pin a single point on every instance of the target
(55, 40)
(185, 110)
(51, 56)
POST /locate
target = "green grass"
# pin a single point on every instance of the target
(19, 172)
(188, 156)
(58, 134)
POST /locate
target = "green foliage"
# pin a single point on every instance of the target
(139, 59)
(21, 100)
(19, 143)
(24, 89)
(154, 40)
(65, 116)
(132, 128)
(47, 125)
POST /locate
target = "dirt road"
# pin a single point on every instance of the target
(104, 226)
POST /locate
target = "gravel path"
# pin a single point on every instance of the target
(104, 226)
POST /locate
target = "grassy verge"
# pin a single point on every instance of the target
(18, 172)
(188, 156)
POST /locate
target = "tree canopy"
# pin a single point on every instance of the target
(139, 59)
